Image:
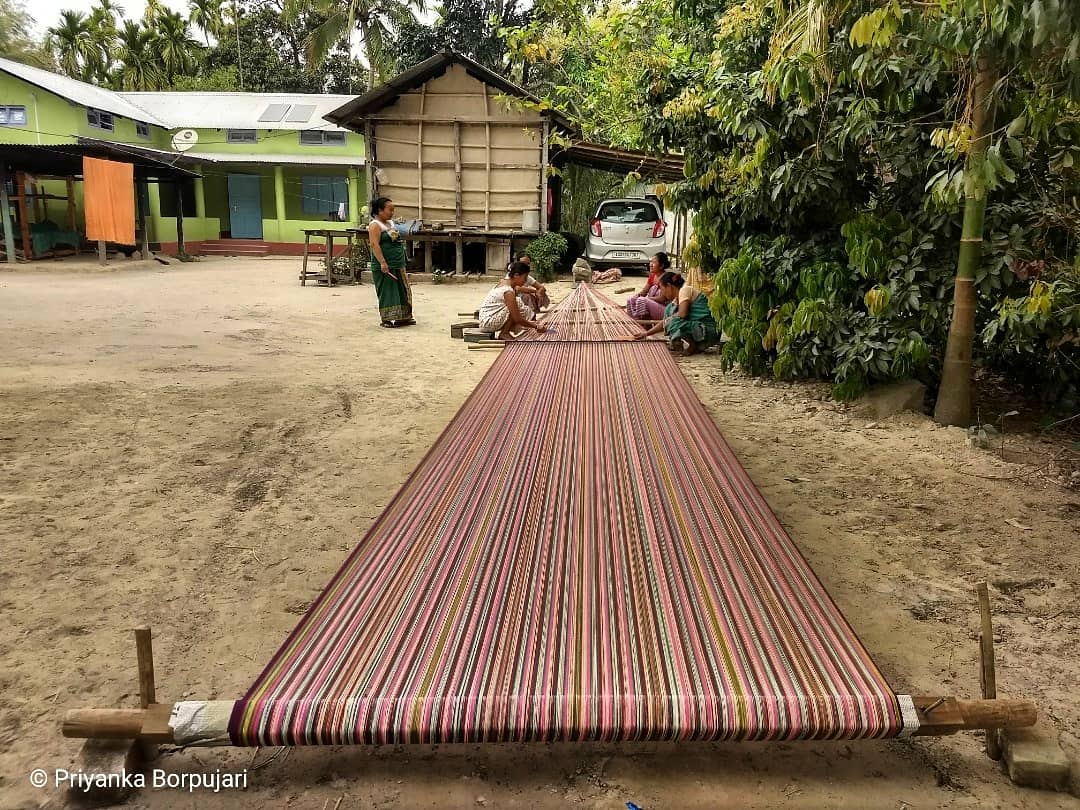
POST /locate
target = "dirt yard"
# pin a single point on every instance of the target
(197, 447)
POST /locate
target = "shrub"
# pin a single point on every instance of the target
(546, 251)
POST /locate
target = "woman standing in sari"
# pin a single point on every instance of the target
(388, 266)
(687, 317)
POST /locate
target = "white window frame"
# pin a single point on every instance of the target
(241, 136)
(9, 109)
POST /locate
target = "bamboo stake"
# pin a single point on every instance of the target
(144, 650)
(987, 673)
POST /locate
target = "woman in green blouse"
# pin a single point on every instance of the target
(388, 266)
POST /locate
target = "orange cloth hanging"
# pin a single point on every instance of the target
(109, 201)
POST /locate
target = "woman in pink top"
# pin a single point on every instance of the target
(648, 304)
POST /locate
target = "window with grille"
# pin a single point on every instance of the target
(241, 136)
(318, 137)
(99, 119)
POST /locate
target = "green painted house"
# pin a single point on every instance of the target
(269, 165)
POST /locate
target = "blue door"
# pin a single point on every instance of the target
(245, 206)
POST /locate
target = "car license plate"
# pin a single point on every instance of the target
(623, 254)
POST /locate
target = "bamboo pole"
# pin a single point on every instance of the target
(955, 393)
(487, 162)
(420, 156)
(457, 176)
(546, 131)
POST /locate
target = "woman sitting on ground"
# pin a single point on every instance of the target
(687, 317)
(648, 304)
(502, 312)
(532, 293)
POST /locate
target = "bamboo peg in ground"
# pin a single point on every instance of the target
(987, 670)
(144, 650)
(946, 715)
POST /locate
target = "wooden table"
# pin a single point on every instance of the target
(328, 274)
(457, 236)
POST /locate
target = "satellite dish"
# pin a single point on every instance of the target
(184, 140)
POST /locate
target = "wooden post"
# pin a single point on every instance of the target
(544, 177)
(5, 212)
(181, 246)
(24, 216)
(487, 160)
(946, 715)
(141, 194)
(427, 256)
(101, 251)
(71, 204)
(987, 671)
(457, 176)
(329, 258)
(144, 649)
(369, 156)
(303, 267)
(459, 255)
(420, 156)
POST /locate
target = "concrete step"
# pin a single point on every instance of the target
(234, 247)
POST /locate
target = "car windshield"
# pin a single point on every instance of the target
(628, 212)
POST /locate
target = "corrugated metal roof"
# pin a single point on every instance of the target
(309, 158)
(178, 110)
(666, 166)
(88, 94)
(67, 159)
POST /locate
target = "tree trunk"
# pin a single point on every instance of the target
(955, 395)
(365, 32)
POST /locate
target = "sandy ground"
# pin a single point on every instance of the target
(196, 448)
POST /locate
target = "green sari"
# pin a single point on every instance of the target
(698, 326)
(395, 295)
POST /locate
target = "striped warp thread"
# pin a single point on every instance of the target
(580, 556)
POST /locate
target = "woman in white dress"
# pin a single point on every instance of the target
(502, 312)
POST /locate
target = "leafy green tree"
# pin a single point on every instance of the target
(208, 16)
(273, 58)
(139, 67)
(828, 179)
(375, 20)
(589, 62)
(474, 28)
(16, 40)
(77, 51)
(178, 52)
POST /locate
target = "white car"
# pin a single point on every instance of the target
(625, 233)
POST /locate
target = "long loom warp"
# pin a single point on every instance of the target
(580, 556)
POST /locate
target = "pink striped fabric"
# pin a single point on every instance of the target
(579, 557)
